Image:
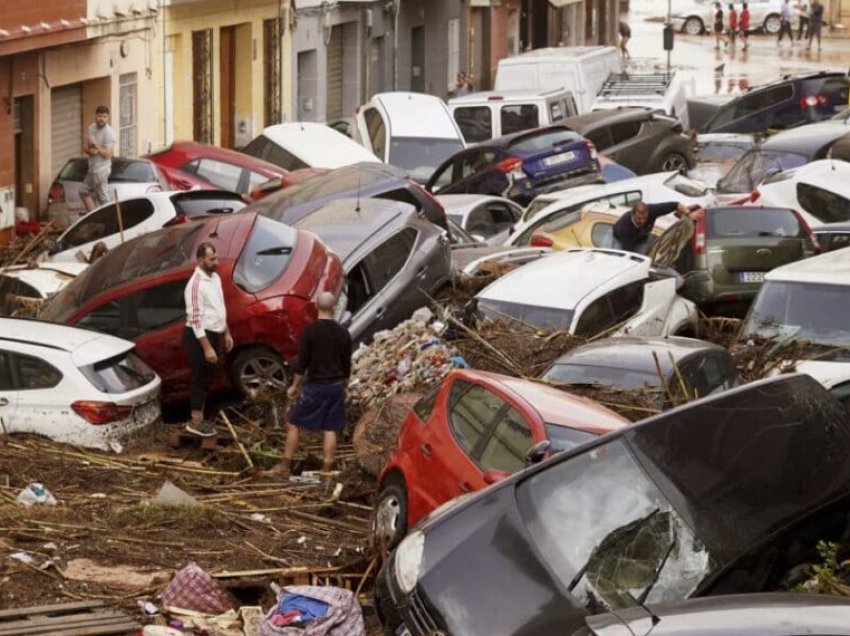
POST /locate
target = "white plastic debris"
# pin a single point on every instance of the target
(35, 493)
(171, 495)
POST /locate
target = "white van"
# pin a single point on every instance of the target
(580, 69)
(661, 92)
(412, 131)
(488, 114)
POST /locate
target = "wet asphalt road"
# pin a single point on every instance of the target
(695, 56)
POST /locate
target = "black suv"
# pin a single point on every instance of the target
(785, 103)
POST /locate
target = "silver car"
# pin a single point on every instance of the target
(699, 18)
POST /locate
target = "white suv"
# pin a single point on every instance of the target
(72, 385)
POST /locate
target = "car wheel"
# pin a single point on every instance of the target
(257, 369)
(772, 24)
(389, 519)
(693, 26)
(674, 161)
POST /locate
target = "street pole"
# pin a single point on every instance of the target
(669, 25)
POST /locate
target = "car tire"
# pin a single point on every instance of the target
(259, 369)
(674, 161)
(389, 518)
(693, 26)
(772, 24)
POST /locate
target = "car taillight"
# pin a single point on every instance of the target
(95, 412)
(592, 149)
(56, 194)
(810, 101)
(808, 231)
(539, 240)
(511, 164)
(755, 196)
(699, 237)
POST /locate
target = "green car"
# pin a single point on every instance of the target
(724, 257)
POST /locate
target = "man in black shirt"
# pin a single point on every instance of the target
(324, 358)
(632, 230)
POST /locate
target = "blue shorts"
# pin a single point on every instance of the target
(320, 407)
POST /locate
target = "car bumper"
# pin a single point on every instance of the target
(400, 613)
(678, 23)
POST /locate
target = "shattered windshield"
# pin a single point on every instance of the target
(609, 533)
(754, 166)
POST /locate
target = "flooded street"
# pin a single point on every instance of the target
(697, 59)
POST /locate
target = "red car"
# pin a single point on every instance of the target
(186, 164)
(271, 275)
(473, 430)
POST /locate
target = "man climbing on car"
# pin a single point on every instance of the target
(632, 230)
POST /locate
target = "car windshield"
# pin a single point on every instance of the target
(609, 534)
(119, 374)
(810, 312)
(563, 437)
(754, 166)
(529, 316)
(267, 253)
(420, 155)
(619, 377)
(549, 223)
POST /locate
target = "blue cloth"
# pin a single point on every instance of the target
(320, 407)
(310, 608)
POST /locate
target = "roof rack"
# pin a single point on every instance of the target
(632, 84)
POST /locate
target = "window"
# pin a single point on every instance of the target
(551, 318)
(6, 381)
(601, 138)
(556, 111)
(105, 222)
(34, 373)
(377, 131)
(730, 222)
(519, 117)
(480, 222)
(624, 130)
(107, 319)
(443, 178)
(475, 162)
(271, 71)
(256, 178)
(503, 216)
(119, 374)
(195, 204)
(611, 309)
(602, 235)
(508, 445)
(596, 318)
(826, 206)
(425, 405)
(754, 166)
(842, 393)
(837, 241)
(127, 114)
(472, 408)
(388, 259)
(358, 289)
(224, 175)
(158, 306)
(265, 256)
(475, 123)
(283, 158)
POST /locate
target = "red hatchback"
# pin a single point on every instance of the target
(187, 163)
(471, 431)
(271, 275)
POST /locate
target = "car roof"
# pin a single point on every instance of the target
(506, 140)
(832, 268)
(806, 139)
(196, 150)
(507, 96)
(49, 335)
(607, 116)
(831, 174)
(556, 406)
(407, 110)
(656, 178)
(346, 224)
(562, 279)
(318, 145)
(634, 352)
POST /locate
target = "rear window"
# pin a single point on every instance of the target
(195, 206)
(622, 378)
(543, 140)
(824, 205)
(420, 155)
(74, 170)
(525, 316)
(13, 289)
(475, 122)
(749, 222)
(132, 172)
(119, 374)
(266, 254)
(518, 117)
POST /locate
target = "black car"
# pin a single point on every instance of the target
(638, 138)
(785, 103)
(365, 180)
(519, 166)
(832, 236)
(724, 495)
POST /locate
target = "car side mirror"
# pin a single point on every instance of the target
(492, 476)
(52, 245)
(537, 452)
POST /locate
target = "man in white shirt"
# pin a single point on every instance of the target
(206, 331)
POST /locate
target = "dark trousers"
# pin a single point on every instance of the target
(785, 27)
(201, 370)
(803, 28)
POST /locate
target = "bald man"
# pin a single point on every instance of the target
(632, 230)
(324, 359)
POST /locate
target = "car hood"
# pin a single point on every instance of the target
(468, 259)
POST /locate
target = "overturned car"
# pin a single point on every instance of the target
(724, 495)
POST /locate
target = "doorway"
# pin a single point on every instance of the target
(227, 98)
(26, 191)
(417, 59)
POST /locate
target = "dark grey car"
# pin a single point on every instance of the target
(394, 260)
(632, 362)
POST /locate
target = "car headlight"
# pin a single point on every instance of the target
(408, 560)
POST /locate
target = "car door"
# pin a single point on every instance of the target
(111, 224)
(624, 148)
(655, 298)
(38, 406)
(8, 395)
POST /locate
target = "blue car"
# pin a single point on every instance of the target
(520, 166)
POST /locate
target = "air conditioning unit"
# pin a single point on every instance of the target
(7, 207)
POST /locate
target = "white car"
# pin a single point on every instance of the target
(820, 190)
(412, 131)
(486, 217)
(24, 287)
(304, 144)
(651, 188)
(809, 300)
(115, 223)
(72, 385)
(699, 18)
(587, 292)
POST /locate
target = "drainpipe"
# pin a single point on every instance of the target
(395, 44)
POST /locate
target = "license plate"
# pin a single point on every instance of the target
(556, 160)
(147, 412)
(752, 277)
(402, 631)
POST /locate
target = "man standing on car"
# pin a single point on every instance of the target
(205, 333)
(324, 357)
(97, 146)
(632, 230)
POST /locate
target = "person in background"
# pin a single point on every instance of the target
(461, 85)
(718, 25)
(625, 35)
(632, 229)
(98, 146)
(733, 23)
(786, 14)
(744, 25)
(803, 15)
(815, 24)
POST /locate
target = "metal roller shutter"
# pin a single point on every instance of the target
(334, 74)
(66, 125)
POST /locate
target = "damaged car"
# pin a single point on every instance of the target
(724, 495)
(72, 385)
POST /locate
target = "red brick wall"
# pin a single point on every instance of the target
(18, 12)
